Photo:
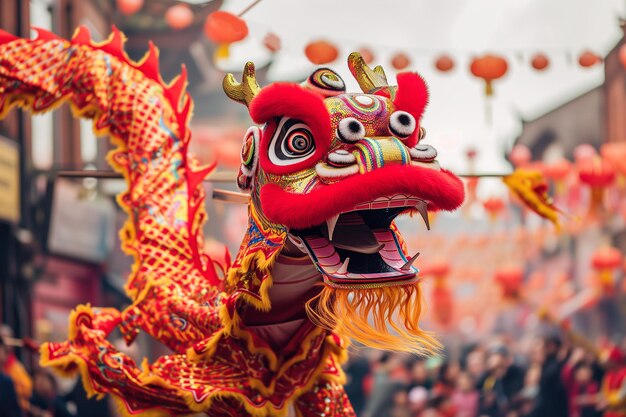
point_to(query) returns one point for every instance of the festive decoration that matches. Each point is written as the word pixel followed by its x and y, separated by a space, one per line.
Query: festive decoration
pixel 228 353
pixel 367 54
pixel 540 62
pixel 494 206
pixel 584 152
pixel 510 280
pixel 604 261
pixel 615 154
pixel 179 16
pixel 225 28
pixel 489 68
pixel 443 300
pixel 588 59
pixel 520 156
pixel 444 63
pixel 558 171
pixel 321 52
pixel 272 42
pixel 598 175
pixel 129 7
pixel 400 61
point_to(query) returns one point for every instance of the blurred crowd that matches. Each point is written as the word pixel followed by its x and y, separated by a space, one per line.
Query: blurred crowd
pixel 546 377
pixel 551 376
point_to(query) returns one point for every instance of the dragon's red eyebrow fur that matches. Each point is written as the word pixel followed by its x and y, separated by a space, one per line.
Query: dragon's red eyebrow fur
pixel 411 97
pixel 441 189
pixel 294 101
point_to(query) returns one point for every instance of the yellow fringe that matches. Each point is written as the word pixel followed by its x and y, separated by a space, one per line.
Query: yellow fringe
pixel 382 318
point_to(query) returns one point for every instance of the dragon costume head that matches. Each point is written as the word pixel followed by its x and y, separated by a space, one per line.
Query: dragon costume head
pixel 328 172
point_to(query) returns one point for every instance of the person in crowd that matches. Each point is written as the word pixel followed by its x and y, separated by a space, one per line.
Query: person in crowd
pixel 465 396
pixel 386 381
pixel 582 391
pixel 9 405
pixel 419 376
pixel 16 371
pixel 400 407
pixel 552 398
pixel 45 401
pixel 613 401
pixel 500 384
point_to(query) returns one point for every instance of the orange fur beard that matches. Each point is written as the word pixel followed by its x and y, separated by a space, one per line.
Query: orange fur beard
pixel 383 318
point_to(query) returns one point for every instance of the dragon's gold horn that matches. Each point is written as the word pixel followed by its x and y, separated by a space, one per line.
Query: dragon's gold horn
pixel 368 79
pixel 245 91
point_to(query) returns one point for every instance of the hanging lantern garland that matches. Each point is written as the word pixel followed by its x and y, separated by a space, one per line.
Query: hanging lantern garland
pixel 540 62
pixel 588 59
pixel 272 42
pixel 520 156
pixel 225 28
pixel 367 55
pixel 604 261
pixel 598 174
pixel 129 7
pixel 400 61
pixel 321 52
pixel 179 16
pixel 490 68
pixel 444 63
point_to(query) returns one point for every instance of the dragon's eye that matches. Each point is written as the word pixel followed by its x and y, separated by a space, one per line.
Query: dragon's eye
pixel 292 143
pixel 350 130
pixel 402 124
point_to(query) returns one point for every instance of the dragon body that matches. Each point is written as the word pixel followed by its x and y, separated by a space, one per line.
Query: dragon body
pixel 321 263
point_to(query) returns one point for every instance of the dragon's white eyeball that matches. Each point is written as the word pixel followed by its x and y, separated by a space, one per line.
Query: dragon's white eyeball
pixel 350 130
pixel 402 124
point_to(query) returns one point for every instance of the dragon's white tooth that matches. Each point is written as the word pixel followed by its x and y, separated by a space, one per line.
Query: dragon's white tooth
pixel 343 269
pixel 407 265
pixel 331 223
pixel 421 207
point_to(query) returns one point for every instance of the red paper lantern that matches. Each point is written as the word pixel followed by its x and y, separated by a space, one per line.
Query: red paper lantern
pixel 557 170
pixel 367 55
pixel 272 42
pixel 597 174
pixel 520 156
pixel 444 63
pixel 400 61
pixel 584 152
pixel 588 59
pixel 615 153
pixel 128 7
pixel 510 279
pixel 540 62
pixel 489 68
pixel 223 27
pixel 494 206
pixel 622 55
pixel 321 52
pixel 604 261
pixel 179 16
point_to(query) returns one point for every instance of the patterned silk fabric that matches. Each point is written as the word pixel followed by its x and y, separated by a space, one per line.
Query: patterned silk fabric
pixel 217 366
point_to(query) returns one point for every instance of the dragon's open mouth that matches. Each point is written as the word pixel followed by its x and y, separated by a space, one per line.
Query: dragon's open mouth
pixel 359 247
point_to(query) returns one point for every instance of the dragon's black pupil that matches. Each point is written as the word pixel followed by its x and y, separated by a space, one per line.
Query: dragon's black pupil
pixel 300 143
pixel 354 126
pixel 404 119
